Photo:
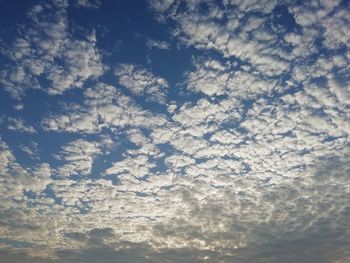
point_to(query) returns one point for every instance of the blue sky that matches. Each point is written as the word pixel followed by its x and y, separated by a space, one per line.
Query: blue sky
pixel 174 131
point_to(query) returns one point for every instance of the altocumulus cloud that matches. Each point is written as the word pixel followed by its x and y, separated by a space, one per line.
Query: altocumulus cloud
pixel 217 132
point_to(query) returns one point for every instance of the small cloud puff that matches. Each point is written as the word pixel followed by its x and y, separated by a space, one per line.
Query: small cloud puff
pixel 157 44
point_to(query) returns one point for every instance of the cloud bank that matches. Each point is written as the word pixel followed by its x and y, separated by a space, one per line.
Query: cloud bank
pixel 244 158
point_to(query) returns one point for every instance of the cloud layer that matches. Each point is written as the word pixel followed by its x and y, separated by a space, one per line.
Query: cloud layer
pixel 244 159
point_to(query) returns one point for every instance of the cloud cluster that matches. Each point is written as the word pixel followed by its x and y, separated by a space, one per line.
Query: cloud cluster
pixel 19 125
pixel 250 165
pixel 104 107
pixel 45 55
pixel 157 44
pixel 142 82
pixel 78 157
pixel 94 4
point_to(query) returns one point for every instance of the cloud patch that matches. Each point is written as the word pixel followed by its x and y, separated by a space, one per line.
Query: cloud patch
pixel 45 51
pixel 141 82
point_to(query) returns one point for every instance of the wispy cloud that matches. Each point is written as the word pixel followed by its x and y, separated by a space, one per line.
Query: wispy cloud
pixel 157 44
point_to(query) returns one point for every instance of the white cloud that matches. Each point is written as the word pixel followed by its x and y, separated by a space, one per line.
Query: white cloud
pixel 94 4
pixel 45 49
pixel 260 158
pixel 18 107
pixel 333 20
pixel 19 125
pixel 78 157
pixel 81 62
pixel 15 179
pixel 141 82
pixel 104 107
pixel 136 166
pixel 223 30
pixel 210 78
pixel 337 27
pixel 157 44
pixel 178 161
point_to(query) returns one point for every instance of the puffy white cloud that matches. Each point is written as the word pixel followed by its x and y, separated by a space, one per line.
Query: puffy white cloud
pixel 327 14
pixel 137 166
pixel 45 49
pixel 78 156
pixel 141 82
pixel 15 179
pixel 254 170
pixel 210 78
pixel 223 29
pixel 6 158
pixel 19 125
pixel 81 61
pixel 178 161
pixel 104 107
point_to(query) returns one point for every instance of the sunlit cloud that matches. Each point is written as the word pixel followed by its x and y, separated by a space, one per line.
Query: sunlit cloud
pixel 219 131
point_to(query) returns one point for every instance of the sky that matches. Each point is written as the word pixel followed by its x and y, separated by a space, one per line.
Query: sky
pixel 174 131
